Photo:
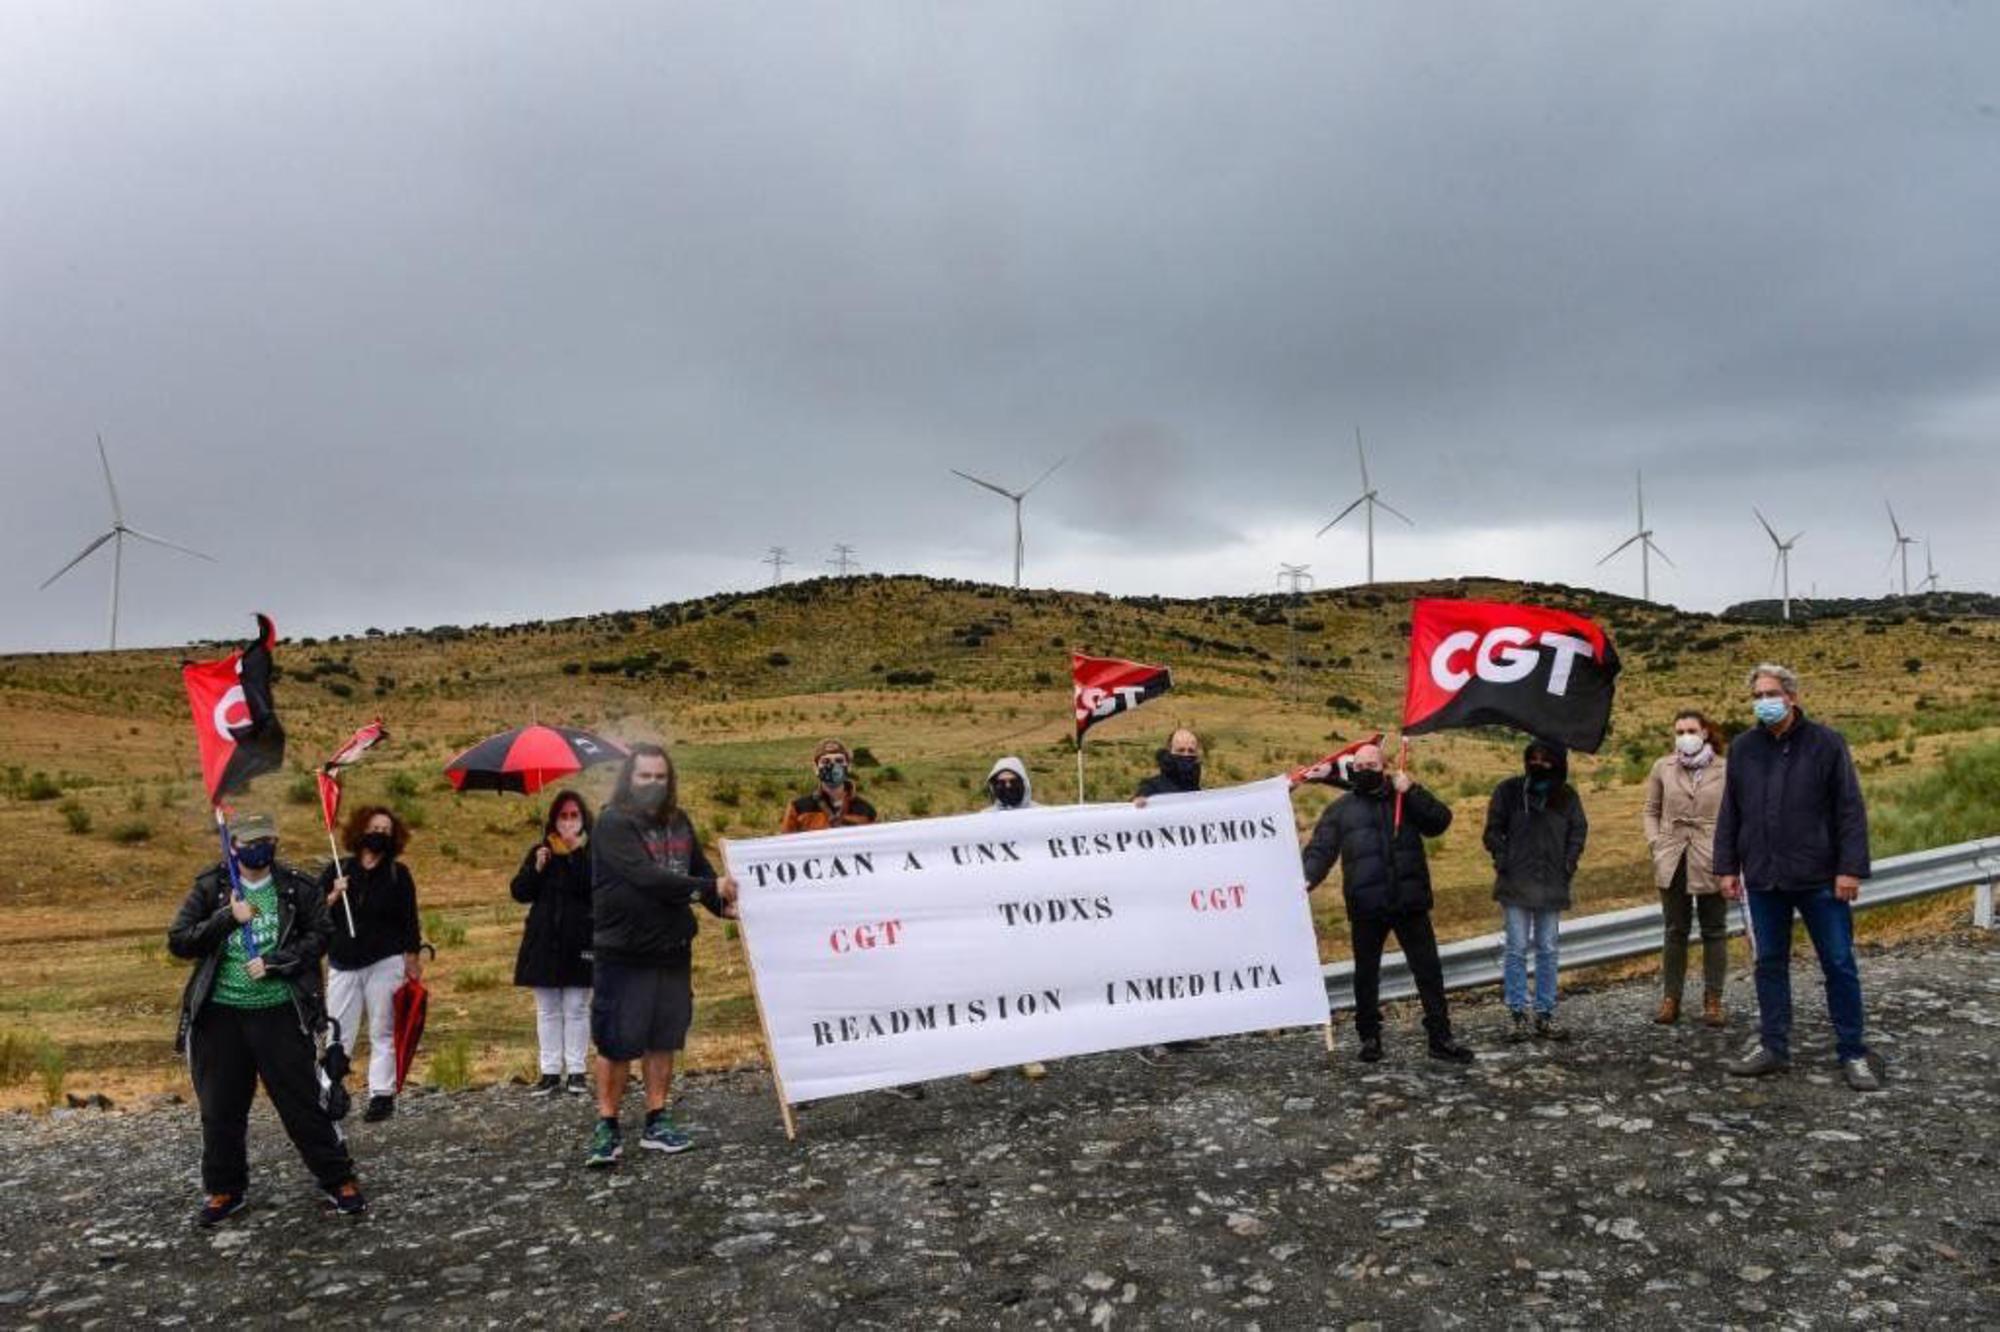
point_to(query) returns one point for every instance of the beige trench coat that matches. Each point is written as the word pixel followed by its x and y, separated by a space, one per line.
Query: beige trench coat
pixel 1681 805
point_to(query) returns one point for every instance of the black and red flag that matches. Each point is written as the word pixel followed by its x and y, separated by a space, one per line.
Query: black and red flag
pixel 1107 686
pixel 235 722
pixel 347 755
pixel 1550 673
pixel 1333 769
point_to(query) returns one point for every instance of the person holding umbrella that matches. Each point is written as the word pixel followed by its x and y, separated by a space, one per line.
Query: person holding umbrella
pixel 647 871
pixel 366 964
pixel 554 961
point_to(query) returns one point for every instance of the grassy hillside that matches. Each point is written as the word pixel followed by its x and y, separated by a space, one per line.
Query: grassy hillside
pixel 102 822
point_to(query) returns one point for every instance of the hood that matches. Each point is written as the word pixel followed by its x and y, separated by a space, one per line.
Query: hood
pixel 1558 753
pixel 1019 769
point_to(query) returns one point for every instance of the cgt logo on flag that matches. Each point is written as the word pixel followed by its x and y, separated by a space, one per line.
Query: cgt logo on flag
pixel 235 722
pixel 1334 769
pixel 1477 663
pixel 1107 686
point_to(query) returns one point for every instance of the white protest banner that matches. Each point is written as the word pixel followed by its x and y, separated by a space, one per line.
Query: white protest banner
pixel 899 952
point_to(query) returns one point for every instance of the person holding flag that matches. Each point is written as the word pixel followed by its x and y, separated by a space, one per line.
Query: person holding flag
pixel 367 960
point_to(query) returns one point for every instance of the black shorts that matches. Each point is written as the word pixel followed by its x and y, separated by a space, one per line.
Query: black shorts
pixel 636 1011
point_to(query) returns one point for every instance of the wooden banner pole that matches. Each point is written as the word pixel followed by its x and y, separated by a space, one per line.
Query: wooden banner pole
pixel 763 1024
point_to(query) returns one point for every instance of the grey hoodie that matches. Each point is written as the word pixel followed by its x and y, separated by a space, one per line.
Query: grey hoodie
pixel 1019 769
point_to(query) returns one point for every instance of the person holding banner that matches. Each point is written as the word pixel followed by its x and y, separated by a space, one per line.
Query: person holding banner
pixel 1385 881
pixel 366 964
pixel 647 871
pixel 1535 831
pixel 1010 787
pixel 248 1012
pixel 1683 793
pixel 834 802
pixel 554 960
pixel 1180 768
pixel 1792 836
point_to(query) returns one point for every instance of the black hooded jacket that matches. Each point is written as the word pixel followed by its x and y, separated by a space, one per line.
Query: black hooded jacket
pixel 1171 779
pixel 1536 839
pixel 1383 869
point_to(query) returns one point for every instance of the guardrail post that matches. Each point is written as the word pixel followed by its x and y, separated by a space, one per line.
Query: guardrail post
pixel 1982 904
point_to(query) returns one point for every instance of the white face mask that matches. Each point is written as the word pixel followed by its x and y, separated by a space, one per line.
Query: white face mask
pixel 1690 744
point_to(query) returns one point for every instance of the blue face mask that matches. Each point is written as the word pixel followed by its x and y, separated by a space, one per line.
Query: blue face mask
pixel 257 855
pixel 1770 711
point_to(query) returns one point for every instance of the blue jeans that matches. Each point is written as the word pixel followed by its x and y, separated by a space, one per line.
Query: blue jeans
pixel 1521 923
pixel 1830 923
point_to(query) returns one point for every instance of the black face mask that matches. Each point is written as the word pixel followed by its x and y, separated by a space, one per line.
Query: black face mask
pixel 833 773
pixel 1366 781
pixel 379 844
pixel 257 855
pixel 652 799
pixel 1008 792
pixel 1184 769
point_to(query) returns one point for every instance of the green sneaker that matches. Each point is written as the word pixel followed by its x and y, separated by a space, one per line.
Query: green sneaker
pixel 605 1146
pixel 662 1136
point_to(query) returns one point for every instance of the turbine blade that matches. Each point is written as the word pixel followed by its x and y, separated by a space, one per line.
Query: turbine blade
pixel 987 484
pixel 1654 547
pixel 1384 504
pixel 1772 585
pixel 1893 524
pixel 1636 536
pixel 80 558
pixel 1769 531
pixel 1795 538
pixel 1338 516
pixel 1046 475
pixel 1362 454
pixel 170 545
pixel 117 509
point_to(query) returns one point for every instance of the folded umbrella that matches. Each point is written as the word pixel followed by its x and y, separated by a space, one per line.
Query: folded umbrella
pixel 409 1006
pixel 529 758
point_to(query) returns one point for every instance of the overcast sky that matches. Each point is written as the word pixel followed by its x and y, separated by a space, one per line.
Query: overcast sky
pixel 463 312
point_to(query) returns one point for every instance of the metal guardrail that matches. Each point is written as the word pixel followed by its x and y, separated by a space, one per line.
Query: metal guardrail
pixel 1612 936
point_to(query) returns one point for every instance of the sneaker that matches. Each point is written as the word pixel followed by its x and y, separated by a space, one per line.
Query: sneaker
pixel 219 1207
pixel 1371 1050
pixel 549 1084
pixel 912 1092
pixel 1155 1055
pixel 981 1075
pixel 1860 1074
pixel 347 1199
pixel 1517 1034
pixel 1547 1029
pixel 1450 1051
pixel 1194 1046
pixel 576 1084
pixel 605 1146
pixel 662 1136
pixel 1757 1063
pixel 379 1109
pixel 1034 1071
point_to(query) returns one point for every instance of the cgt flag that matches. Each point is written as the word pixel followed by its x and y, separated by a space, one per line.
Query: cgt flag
pixel 1107 686
pixel 1481 663
pixel 235 722
pixel 1333 769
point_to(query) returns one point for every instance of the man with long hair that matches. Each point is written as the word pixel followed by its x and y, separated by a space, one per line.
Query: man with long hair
pixel 648 870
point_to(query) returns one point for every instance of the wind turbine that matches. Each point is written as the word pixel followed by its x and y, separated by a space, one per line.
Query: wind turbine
pixel 1930 582
pixel 1782 561
pixel 116 536
pixel 1369 501
pixel 1901 548
pixel 1644 536
pixel 1016 497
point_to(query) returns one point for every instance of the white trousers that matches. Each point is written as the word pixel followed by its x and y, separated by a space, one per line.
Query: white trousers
pixel 346 993
pixel 562 1027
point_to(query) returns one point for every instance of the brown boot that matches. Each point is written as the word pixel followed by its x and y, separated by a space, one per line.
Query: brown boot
pixel 1669 1012
pixel 1711 1011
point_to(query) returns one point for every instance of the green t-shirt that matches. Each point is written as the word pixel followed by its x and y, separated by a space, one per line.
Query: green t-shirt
pixel 234 987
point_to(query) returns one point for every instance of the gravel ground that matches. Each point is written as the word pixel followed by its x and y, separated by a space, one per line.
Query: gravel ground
pixel 1620 1179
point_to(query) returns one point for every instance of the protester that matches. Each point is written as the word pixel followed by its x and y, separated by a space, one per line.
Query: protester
pixel 1385 881
pixel 1683 794
pixel 834 802
pixel 1792 832
pixel 1535 830
pixel 648 869
pixel 1009 787
pixel 246 1019
pixel 554 961
pixel 367 961
pixel 1179 768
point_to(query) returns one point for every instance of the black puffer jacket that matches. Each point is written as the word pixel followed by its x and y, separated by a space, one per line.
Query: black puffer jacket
pixel 1383 869
pixel 645 877
pixel 1536 839
pixel 201 929
pixel 555 940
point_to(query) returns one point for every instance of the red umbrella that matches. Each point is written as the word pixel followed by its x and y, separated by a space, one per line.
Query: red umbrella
pixel 528 759
pixel 409 1006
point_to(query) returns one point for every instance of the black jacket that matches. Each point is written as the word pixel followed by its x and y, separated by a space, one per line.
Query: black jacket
pixel 1535 845
pixel 1167 781
pixel 384 901
pixel 1792 815
pixel 645 877
pixel 201 929
pixel 555 941
pixel 1383 869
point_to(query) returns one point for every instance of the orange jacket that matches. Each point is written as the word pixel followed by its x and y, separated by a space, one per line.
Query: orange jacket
pixel 809 813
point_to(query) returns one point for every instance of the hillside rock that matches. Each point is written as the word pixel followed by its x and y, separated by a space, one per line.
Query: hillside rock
pixel 1621 1180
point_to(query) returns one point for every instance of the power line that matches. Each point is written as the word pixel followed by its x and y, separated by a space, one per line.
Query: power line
pixel 777 559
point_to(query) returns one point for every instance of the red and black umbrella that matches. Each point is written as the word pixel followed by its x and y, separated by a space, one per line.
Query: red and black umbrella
pixel 529 758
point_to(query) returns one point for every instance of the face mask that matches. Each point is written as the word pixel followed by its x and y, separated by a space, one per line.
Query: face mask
pixel 570 833
pixel 1690 744
pixel 1770 711
pixel 378 843
pixel 1186 769
pixel 257 855
pixel 652 798
pixel 1008 793
pixel 1367 781
pixel 833 773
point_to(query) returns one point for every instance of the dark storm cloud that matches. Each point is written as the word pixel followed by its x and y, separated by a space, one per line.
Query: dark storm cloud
pixel 487 312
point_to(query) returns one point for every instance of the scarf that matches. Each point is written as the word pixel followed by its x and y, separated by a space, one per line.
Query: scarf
pixel 1698 760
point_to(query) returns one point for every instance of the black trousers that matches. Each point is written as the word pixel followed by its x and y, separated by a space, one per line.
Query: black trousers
pixel 229 1050
pixel 1420 946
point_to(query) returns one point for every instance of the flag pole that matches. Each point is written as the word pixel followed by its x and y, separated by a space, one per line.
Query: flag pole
pixel 1079 770
pixel 345 905
pixel 235 878
pixel 1402 766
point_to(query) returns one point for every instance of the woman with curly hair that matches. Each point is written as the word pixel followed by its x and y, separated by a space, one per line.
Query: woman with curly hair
pixel 367 960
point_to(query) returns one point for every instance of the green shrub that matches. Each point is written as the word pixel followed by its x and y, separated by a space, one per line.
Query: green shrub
pixel 1955 801
pixel 451 1066
pixel 132 832
pixel 920 805
pixel 20 1055
pixel 75 815
pixel 52 1067
pixel 473 980
pixel 403 786
pixel 40 786
pixel 302 790
pixel 442 931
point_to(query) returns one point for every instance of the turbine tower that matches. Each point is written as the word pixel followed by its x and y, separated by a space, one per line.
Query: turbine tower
pixel 1902 547
pixel 1016 497
pixel 1644 536
pixel 116 536
pixel 1369 501
pixel 1781 563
